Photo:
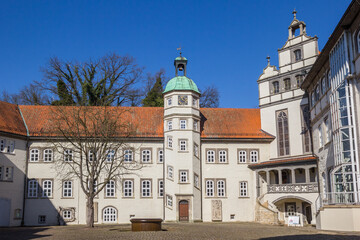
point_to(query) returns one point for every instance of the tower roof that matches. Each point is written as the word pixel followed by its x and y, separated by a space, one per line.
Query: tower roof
pixel 181 83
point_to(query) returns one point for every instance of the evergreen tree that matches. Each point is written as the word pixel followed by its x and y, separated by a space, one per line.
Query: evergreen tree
pixel 154 97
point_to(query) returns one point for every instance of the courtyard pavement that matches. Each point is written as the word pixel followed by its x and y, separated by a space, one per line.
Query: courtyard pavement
pixel 176 231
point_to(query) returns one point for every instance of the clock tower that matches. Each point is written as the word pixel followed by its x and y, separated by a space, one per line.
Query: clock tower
pixel 182 173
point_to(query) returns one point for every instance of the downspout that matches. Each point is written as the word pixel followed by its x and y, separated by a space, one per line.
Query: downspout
pixel 26 168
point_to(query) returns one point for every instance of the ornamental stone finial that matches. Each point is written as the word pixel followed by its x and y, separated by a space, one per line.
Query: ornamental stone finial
pixel 294 13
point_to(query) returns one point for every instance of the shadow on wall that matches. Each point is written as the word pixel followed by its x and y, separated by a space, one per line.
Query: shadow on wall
pixel 39 208
pixel 314 236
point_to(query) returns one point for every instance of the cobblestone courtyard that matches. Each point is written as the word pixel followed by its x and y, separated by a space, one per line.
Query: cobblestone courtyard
pixel 176 231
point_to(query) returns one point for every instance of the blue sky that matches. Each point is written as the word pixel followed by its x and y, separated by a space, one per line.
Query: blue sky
pixel 226 42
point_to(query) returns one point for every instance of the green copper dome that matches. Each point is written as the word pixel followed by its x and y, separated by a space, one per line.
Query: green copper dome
pixel 181 58
pixel 181 83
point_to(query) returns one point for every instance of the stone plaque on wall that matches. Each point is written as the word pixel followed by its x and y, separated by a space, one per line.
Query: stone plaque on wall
pixel 216 210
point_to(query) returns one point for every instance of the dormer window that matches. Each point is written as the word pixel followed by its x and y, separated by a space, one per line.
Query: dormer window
pixel 297 54
pixel 275 87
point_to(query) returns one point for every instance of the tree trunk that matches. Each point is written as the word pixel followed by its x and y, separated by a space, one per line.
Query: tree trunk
pixel 90 212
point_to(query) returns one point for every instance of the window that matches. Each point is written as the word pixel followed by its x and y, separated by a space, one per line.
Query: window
pixel 182 124
pixel 34 155
pixel 128 155
pixel 169 101
pixel 210 156
pixel 1 173
pixel 196 125
pixel 67 189
pixel 275 87
pixel 221 188
pixel 222 156
pixel 194 101
pixel 299 80
pixel 8 175
pixel 109 214
pixel 48 155
pixel 110 155
pixel 183 174
pixel 42 219
pixel 146 188
pixel 283 133
pixel 297 54
pixel 160 156
pixel 2 145
pixel 10 146
pixel 328 130
pixel 243 189
pixel 306 128
pixel 170 172
pixel 170 142
pixel 160 188
pixel 323 85
pixel 145 156
pixel 182 145
pixel 128 186
pixel 196 150
pixel 290 209
pixel 32 188
pixel 91 156
pixel 196 181
pixel 94 185
pixel 321 142
pixel 169 123
pixel 68 155
pixel 209 188
pixel 47 188
pixel 317 93
pixel 169 201
pixel 329 79
pixel 254 156
pixel 242 156
pixel 110 189
pixel 312 99
pixel 287 84
pixel 358 41
pixel 67 214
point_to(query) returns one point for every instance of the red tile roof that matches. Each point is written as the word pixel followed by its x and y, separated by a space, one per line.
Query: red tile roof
pixel 283 161
pixel 146 121
pixel 11 120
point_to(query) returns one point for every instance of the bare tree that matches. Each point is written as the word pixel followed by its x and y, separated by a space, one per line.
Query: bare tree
pixel 209 97
pixel 101 82
pixel 29 95
pixel 91 148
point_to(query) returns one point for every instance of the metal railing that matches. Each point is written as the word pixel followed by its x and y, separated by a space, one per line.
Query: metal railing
pixel 341 198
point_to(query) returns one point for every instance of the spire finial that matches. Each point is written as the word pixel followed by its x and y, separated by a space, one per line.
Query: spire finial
pixel 268 60
pixel 179 49
pixel 294 12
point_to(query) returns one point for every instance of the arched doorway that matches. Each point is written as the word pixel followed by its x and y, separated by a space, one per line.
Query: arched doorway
pixel 184 211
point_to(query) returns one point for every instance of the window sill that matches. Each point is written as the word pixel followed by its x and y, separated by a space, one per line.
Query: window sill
pixel 247 197
pixel 184 183
pixel 183 151
pixel 128 197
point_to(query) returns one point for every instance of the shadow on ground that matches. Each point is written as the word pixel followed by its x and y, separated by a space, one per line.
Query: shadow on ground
pixel 314 237
pixel 22 233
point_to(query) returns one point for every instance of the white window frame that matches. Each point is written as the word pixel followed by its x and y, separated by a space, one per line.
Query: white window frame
pixel 8 173
pixel 170 142
pixel 48 155
pixel 146 156
pixel 210 156
pixel 196 150
pixel 183 176
pixel 242 156
pixel 327 129
pixel 2 145
pixel 68 155
pixel 109 215
pixel 128 155
pixel 110 189
pixel 169 125
pixel 221 188
pixel 34 155
pixel 160 188
pixel 160 156
pixel 170 172
pixel 146 188
pixel 169 101
pixel 10 146
pixel 110 156
pixel 196 180
pixel 67 214
pixel 91 155
pixel 47 188
pixel 209 188
pixel 196 125
pixel 169 201
pixel 33 188
pixel 182 144
pixel 320 135
pixel 243 188
pixel 67 189
pixel 222 156
pixel 182 124
pixel 254 156
pixel 128 188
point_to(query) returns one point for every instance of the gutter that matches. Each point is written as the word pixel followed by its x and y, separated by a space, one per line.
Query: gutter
pixel 26 168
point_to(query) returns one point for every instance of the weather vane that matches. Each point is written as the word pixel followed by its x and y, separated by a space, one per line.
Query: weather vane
pixel 179 49
pixel 294 12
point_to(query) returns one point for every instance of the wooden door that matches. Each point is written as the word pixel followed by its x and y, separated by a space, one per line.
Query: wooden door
pixel 184 210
